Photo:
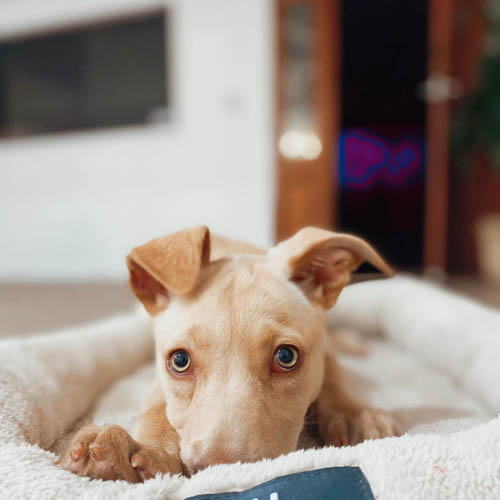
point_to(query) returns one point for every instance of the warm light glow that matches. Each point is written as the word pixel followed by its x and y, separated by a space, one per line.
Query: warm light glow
pixel 300 145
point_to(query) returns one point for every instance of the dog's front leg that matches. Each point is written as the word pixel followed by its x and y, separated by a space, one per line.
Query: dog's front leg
pixel 110 452
pixel 161 453
pixel 342 420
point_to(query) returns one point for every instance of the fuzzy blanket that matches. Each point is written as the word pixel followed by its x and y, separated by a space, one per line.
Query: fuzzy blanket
pixel 432 358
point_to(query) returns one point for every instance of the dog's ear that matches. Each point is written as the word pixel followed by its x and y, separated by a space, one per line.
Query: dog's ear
pixel 320 262
pixel 168 266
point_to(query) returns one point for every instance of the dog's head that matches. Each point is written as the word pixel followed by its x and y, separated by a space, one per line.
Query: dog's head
pixel 239 340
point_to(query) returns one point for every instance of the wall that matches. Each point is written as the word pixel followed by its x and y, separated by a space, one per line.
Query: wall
pixel 72 205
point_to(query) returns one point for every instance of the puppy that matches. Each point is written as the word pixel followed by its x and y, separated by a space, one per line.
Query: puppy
pixel 241 355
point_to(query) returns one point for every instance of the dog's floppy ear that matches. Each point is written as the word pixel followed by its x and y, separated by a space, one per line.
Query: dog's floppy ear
pixel 320 262
pixel 168 265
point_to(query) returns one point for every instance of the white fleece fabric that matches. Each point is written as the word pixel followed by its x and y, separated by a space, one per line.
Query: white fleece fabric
pixel 433 359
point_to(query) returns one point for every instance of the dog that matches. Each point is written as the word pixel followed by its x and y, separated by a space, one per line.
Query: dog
pixel 241 356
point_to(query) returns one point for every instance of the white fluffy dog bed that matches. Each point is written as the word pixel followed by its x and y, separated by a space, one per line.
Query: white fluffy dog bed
pixel 433 359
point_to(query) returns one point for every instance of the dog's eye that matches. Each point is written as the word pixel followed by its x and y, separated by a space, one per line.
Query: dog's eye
pixel 180 361
pixel 286 357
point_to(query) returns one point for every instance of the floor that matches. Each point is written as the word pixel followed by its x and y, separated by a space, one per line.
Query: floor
pixel 485 292
pixel 29 308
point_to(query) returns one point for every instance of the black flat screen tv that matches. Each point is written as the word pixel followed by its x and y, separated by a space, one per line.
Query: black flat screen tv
pixel 107 74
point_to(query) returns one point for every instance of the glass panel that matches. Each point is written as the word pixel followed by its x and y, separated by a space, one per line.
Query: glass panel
pixel 299 138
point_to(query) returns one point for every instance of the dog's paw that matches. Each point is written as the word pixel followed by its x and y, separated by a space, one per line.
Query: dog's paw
pixel 353 427
pixel 110 452
pixel 152 460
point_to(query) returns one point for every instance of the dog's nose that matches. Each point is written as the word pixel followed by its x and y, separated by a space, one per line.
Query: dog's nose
pixel 207 461
pixel 200 457
pixel 197 467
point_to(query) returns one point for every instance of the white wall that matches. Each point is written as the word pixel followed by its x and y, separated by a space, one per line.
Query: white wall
pixel 72 205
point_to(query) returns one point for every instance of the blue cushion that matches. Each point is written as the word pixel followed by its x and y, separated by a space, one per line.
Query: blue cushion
pixel 339 483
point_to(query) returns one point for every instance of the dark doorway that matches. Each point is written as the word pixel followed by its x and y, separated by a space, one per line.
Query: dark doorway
pixel 382 142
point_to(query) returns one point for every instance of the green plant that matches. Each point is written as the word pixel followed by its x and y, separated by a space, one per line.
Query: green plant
pixel 476 125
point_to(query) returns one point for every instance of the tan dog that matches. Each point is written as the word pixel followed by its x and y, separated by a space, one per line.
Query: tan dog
pixel 240 353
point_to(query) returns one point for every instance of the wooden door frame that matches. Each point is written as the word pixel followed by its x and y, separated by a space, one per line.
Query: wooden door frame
pixel 440 26
pixel 307 188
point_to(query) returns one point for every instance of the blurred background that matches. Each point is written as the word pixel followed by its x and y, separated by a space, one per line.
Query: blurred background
pixel 124 120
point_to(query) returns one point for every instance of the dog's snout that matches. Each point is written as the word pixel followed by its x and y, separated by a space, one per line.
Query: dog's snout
pixel 199 457
pixel 206 462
